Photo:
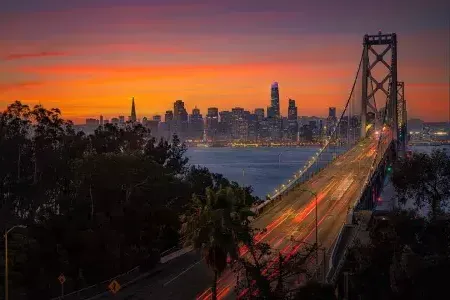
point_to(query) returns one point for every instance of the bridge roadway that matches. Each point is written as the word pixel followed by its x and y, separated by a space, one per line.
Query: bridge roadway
pixel 337 187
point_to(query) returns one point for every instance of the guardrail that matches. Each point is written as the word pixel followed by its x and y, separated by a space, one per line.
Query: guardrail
pixel 299 179
pixel 336 266
pixel 100 289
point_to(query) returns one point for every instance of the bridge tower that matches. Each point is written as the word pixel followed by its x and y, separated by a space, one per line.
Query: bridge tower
pixel 372 44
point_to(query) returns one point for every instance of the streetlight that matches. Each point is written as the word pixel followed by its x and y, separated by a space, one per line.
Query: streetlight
pixel 317 231
pixel 6 257
pixel 318 248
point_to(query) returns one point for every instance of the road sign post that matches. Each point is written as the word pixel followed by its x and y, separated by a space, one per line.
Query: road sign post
pixel 62 279
pixel 114 286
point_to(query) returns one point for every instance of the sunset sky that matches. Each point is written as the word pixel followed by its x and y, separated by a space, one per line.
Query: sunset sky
pixel 89 57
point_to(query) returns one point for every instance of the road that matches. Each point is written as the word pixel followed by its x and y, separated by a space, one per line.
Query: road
pixel 337 188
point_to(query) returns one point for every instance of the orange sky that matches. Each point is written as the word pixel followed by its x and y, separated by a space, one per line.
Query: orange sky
pixel 91 60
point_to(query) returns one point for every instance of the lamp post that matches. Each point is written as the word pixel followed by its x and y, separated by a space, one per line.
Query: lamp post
pixel 317 231
pixel 324 257
pixel 6 257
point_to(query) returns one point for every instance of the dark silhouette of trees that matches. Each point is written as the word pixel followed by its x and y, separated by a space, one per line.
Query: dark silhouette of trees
pixel 95 206
pixel 208 229
pixel 425 179
pixel 408 254
pixel 407 258
pixel 265 273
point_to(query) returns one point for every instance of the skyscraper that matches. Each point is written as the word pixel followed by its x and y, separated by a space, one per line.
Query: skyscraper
pixel 331 120
pixel 101 120
pixel 168 117
pixel 332 112
pixel 239 127
pixel 196 124
pixel 133 111
pixel 292 120
pixel 292 110
pixel 166 126
pixel 259 112
pixel 273 113
pixel 275 99
pixel 212 122
pixel 252 121
pixel 180 117
pixel 225 125
pixel 179 111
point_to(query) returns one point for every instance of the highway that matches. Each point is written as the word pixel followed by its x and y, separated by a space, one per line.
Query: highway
pixel 337 187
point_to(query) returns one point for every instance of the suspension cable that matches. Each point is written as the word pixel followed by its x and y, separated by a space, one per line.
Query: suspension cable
pixel 381 133
pixel 350 95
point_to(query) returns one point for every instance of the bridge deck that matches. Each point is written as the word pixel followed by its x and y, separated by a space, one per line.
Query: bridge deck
pixel 337 187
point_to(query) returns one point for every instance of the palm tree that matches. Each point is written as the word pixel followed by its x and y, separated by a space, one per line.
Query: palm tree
pixel 210 229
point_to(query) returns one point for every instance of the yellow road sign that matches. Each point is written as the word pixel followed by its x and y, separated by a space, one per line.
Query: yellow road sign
pixel 114 286
pixel 62 278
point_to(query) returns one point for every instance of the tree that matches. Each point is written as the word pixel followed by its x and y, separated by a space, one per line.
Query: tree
pixel 208 231
pixel 198 178
pixel 15 149
pixel 425 179
pixel 176 160
pixel 96 206
pixel 406 258
pixel 270 274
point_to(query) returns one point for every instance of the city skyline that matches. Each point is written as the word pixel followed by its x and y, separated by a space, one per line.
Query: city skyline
pixel 264 111
pixel 258 126
pixel 159 51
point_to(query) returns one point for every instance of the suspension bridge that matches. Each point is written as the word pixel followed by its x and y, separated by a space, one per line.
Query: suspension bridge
pixel 314 205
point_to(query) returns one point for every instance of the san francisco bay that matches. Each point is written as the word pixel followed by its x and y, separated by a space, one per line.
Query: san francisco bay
pixel 263 168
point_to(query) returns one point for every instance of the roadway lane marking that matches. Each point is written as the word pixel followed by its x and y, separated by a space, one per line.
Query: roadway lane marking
pixel 176 277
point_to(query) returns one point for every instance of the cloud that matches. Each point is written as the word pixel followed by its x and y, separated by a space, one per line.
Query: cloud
pixel 215 70
pixel 33 55
pixel 19 85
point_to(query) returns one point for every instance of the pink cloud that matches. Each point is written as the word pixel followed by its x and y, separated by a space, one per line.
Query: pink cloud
pixel 33 55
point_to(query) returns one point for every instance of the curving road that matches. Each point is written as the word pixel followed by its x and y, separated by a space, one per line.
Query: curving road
pixel 337 187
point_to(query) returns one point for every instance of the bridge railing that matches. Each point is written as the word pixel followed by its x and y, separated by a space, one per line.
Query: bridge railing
pixel 100 289
pixel 334 137
pixel 315 164
pixel 299 177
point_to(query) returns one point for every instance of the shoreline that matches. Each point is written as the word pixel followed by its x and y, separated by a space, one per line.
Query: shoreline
pixel 201 145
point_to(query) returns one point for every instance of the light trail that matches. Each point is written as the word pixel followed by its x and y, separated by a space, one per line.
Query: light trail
pixel 289 250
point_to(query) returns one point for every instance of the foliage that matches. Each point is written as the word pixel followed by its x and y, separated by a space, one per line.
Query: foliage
pixel 425 179
pixel 267 274
pixel 407 258
pixel 218 225
pixel 95 206
pixel 215 222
